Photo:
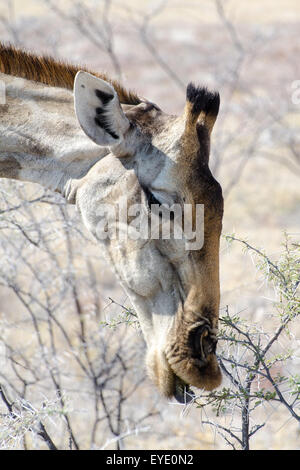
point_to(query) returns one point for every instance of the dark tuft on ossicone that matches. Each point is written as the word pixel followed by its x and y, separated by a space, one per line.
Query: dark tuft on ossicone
pixel 203 99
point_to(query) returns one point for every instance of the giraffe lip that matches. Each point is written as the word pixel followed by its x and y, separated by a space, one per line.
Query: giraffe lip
pixel 183 394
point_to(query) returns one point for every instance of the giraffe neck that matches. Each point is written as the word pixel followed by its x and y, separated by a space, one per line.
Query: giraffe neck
pixel 40 138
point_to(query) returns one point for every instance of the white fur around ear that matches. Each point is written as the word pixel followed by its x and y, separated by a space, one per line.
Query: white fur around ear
pixel 98 110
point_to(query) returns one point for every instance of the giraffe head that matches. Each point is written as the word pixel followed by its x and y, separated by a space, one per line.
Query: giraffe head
pixel 158 162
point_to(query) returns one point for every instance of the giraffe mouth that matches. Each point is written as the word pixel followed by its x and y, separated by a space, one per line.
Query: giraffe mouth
pixel 188 360
pixel 194 363
pixel 183 394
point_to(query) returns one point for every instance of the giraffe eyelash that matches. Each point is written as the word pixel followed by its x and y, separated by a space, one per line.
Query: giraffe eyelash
pixel 151 199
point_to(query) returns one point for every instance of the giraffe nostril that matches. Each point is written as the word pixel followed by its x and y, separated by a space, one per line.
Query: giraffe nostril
pixel 202 342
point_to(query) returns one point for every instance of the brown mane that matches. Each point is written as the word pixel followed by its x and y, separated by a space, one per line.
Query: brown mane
pixel 45 69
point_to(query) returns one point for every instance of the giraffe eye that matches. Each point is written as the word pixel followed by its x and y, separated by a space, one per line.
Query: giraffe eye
pixel 151 199
pixel 158 197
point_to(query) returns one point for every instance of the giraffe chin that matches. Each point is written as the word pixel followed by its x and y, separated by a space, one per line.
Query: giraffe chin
pixel 174 380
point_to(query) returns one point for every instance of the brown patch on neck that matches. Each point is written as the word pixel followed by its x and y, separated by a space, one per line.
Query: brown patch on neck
pixel 45 69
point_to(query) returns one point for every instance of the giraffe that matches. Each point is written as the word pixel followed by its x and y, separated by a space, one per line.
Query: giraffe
pixel 96 143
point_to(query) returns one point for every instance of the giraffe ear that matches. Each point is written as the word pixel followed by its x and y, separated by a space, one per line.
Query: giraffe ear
pixel 98 110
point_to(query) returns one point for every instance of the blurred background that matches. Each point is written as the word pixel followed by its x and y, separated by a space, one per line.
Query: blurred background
pixel 71 347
